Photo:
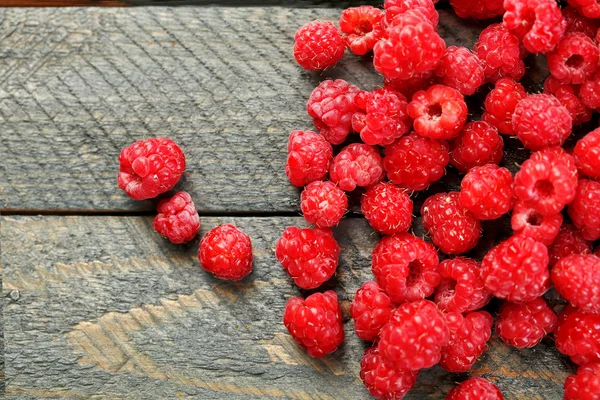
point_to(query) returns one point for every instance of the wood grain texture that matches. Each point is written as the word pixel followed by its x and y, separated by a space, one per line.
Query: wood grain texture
pixel 228 3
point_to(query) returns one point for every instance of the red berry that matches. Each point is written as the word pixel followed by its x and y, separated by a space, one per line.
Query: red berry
pixel 323 204
pixel 525 325
pixel 177 218
pixel 387 208
pixel 568 95
pixel 309 157
pixel 590 92
pixel 587 154
pixel 150 167
pixel 568 241
pixel 585 209
pixel 461 70
pixel 363 28
pixel 382 380
pixel 501 102
pixel 461 288
pixel 500 53
pixel 398 7
pixel 478 9
pixel 468 337
pixel 370 310
pixel 318 45
pixel 578 335
pixel 408 87
pixel 578 23
pixel 357 165
pixel 226 252
pixel 589 8
pixel 575 59
pixel 478 144
pixel 315 323
pixel 487 192
pixel 475 389
pixel 527 221
pixel 584 385
pixel 577 279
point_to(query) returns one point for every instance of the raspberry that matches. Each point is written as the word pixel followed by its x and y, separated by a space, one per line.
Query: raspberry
pixel 370 310
pixel 501 102
pixel 414 162
pixel 357 165
pixel 578 336
pixel 578 23
pixel 574 60
pixel 541 121
pixel 525 325
pixel 461 288
pixel 309 157
pixel 587 154
pixel 150 167
pixel 387 208
pixel 323 204
pixel 177 218
pixel 568 241
pixel 500 53
pixel 547 181
pixel 475 389
pixel 478 9
pixel 527 221
pixel 487 192
pixel 452 228
pixel 363 28
pixel 406 267
pixel 590 92
pixel 382 380
pixel 318 45
pixel 585 209
pixel 408 87
pixel 438 113
pixel 226 252
pixel 309 256
pixel 414 336
pixel 315 323
pixel 516 269
pixel 398 7
pixel 461 70
pixel 589 8
pixel 385 118
pixel 411 48
pixel 568 95
pixel 468 337
pixel 478 144
pixel 584 385
pixel 576 278
pixel 331 106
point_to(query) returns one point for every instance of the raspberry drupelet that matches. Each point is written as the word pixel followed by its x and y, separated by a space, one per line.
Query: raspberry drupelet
pixel 501 102
pixel 461 288
pixel 475 388
pixel 394 8
pixel 568 241
pixel 370 310
pixel 578 335
pixel 150 167
pixel 577 279
pixel 468 337
pixel 382 380
pixel 177 218
pixel 318 45
pixel 568 95
pixel 590 92
pixel 589 8
pixel 226 252
pixel 461 70
pixel 309 157
pixel 478 9
pixel 525 325
pixel 323 204
pixel 500 53
pixel 585 384
pixel 527 221
pixel 587 154
pixel 357 164
pixel 363 28
pixel 387 208
pixel 575 59
pixel 315 323
pixel 477 144
pixel 487 191
pixel 585 209
pixel 578 23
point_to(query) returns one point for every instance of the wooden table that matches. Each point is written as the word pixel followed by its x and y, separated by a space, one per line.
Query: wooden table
pixel 96 304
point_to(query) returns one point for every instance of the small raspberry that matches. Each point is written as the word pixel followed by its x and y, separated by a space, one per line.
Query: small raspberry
pixel 461 70
pixel 525 325
pixel 461 288
pixel 309 157
pixel 575 59
pixel 309 256
pixel 315 323
pixel 527 221
pixel 578 23
pixel 363 28
pixel 475 389
pixel 323 204
pixel 150 167
pixel 370 310
pixel 382 380
pixel 477 144
pixel 568 95
pixel 408 87
pixel 589 8
pixel 487 192
pixel 501 102
pixel 318 45
pixel 577 279
pixel 516 269
pixel 398 7
pixel 468 337
pixel 590 92
pixel 587 154
pixel 451 226
pixel 357 165
pixel 406 267
pixel 500 53
pixel 387 208
pixel 177 218
pixel 568 241
pixel 226 252
pixel 584 385
pixel 414 336
pixel 414 162
pixel 578 335
pixel 478 9
pixel 585 209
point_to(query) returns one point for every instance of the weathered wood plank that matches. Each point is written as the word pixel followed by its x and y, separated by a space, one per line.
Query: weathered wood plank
pixel 228 3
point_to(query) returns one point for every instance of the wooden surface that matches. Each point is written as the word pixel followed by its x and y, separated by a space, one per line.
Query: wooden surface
pixel 227 3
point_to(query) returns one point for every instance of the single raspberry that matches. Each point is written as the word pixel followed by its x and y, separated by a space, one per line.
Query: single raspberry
pixel 590 92
pixel 475 389
pixel 589 8
pixel 399 7
pixel 226 252
pixel 478 9
pixel 587 154
pixel 406 267
pixel 585 209
pixel 500 53
pixel 577 279
pixel 150 167
pixel 387 208
pixel 309 256
pixel 468 337
pixel 408 87
pixel 547 181
pixel 357 165
pixel 461 70
pixel 487 192
pixel 527 221
pixel 363 28
pixel 315 323
pixel 477 144
pixel 568 95
pixel 461 288
pixel 584 385
pixel 323 204
pixel 578 335
pixel 438 113
pixel 525 325
pixel 568 241
pixel 578 23
pixel 382 380
pixel 516 269
pixel 414 336
pixel 370 310
pixel 309 157
pixel 575 59
pixel 501 102
pixel 414 162
pixel 331 106
pixel 318 45
pixel 385 118
pixel 451 226
pixel 177 218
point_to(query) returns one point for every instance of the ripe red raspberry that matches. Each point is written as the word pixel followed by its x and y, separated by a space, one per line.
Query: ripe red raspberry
pixel 461 288
pixel 408 87
pixel 487 192
pixel 318 45
pixel 385 118
pixel 568 241
pixel 398 7
pixel 527 221
pixel 590 92
pixel 370 310
pixel 451 226
pixel 587 154
pixel 357 165
pixel 478 144
pixel 150 167
pixel 500 53
pixel 438 113
pixel 584 385
pixel 382 380
pixel 414 336
pixel 226 252
pixel 578 335
pixel 578 23
pixel 309 256
pixel 478 9
pixel 323 204
pixel 575 59
pixel 309 157
pixel 177 218
pixel 525 325
pixel 406 267
pixel 585 209
pixel 577 279
pixel 387 208
pixel 331 106
pixel 414 162
pixel 315 323
pixel 475 389
pixel 568 95
pixel 468 337
pixel 589 8
pixel 363 28
pixel 461 70
pixel 501 102
pixel 517 269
